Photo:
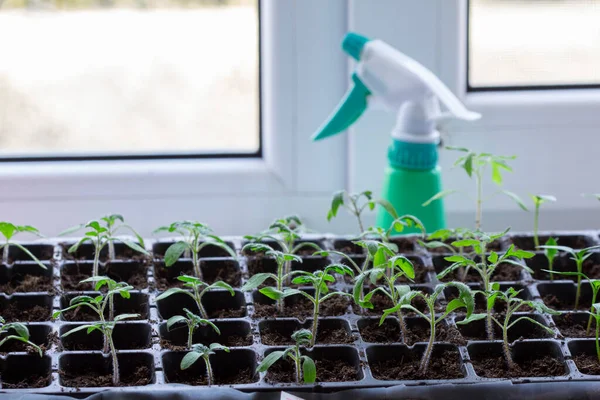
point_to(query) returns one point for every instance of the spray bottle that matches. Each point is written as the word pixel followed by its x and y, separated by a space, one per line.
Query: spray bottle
pixel 402 85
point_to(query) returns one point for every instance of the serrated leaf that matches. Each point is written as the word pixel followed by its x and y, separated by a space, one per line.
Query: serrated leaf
pixel 336 202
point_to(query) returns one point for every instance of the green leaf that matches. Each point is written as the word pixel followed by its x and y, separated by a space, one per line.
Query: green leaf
pixel 309 370
pixel 135 246
pixel 558 248
pixel 388 207
pixel 493 257
pixel 496 174
pixel 217 346
pixel 222 285
pixel 472 318
pixel 171 292
pixel 189 359
pixel 257 280
pixel 454 305
pixel 122 317
pixel 468 164
pixel 26 251
pixel 175 320
pixel 77 329
pixel 72 229
pixel 74 248
pixel 516 199
pixel 174 252
pixel 303 280
pixel 302 337
pixel 533 321
pixel 465 243
pixel 336 202
pixel 19 328
pixel 550 251
pixel 439 196
pixel 7 230
pixel 269 360
pixel 271 293
pixel 405 265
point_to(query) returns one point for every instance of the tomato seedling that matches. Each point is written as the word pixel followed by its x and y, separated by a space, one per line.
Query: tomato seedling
pixel 304 365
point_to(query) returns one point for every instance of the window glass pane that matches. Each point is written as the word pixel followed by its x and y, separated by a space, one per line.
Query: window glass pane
pixel 128 77
pixel 534 42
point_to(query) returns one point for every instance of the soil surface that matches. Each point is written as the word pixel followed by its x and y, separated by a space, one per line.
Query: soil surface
pixel 191 377
pixel 32 381
pixel 86 314
pixel 443 333
pixel 93 378
pixel 587 364
pixel 388 332
pixel 495 367
pixel 443 366
pixel 164 280
pixel 227 313
pixel 504 273
pixel 271 337
pixel 556 303
pixel 121 253
pixel 303 308
pixel 14 313
pixel 572 327
pixel 136 277
pixel 226 271
pixel 283 371
pixel 381 303
pixel 260 264
pixel 28 283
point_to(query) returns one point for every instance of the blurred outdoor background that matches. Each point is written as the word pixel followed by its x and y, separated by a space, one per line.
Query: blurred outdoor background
pixel 156 76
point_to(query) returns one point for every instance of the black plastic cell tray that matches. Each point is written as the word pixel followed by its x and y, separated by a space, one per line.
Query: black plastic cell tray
pixel 79 350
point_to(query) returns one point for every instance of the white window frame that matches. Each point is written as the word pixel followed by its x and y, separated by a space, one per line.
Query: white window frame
pixel 546 129
pixel 303 76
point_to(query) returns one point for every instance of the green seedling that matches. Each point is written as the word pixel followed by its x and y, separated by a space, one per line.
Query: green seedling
pixel 9 230
pixel 579 256
pixel 113 287
pixel 398 225
pixel 199 289
pixel 365 244
pixel 103 233
pixel 21 333
pixel 538 200
pixel 195 236
pixel 280 278
pixel 550 252
pixel 513 304
pixel 487 264
pixel 192 322
pixel 465 300
pixel 98 304
pixel 305 366
pixel 475 165
pixel 201 351
pixel 284 232
pixel 595 314
pixel 390 271
pixel 318 280
pixel 440 239
pixel 355 204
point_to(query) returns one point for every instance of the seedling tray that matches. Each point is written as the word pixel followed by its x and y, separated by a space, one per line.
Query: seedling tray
pixel 358 345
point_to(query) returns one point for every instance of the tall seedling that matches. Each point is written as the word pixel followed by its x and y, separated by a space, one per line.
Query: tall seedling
pixel 356 204
pixel 538 200
pixel 193 322
pixel 475 165
pixel 304 365
pixel 9 231
pixel 103 233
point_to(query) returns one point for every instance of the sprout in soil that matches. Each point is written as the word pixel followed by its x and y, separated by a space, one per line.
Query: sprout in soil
pixel 318 280
pixel 98 304
pixel 464 300
pixel 9 230
pixel 355 204
pixel 103 232
pixel 201 351
pixel 398 225
pixel 195 236
pixel 284 232
pixel 550 252
pixel 486 265
pixel 579 256
pixel 199 289
pixel 113 287
pixel 475 165
pixel 595 314
pixel 193 322
pixel 280 278
pixel 538 200
pixel 21 333
pixel 440 238
pixel 513 304
pixel 594 284
pixel 391 271
pixel 304 365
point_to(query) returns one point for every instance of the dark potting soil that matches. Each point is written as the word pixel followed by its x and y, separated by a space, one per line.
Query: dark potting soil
pixel 283 371
pixel 85 314
pixel 559 304
pixel 496 245
pixel 334 336
pixel 587 364
pixel 443 333
pixel 570 327
pixel 504 273
pixel 226 271
pixel 15 313
pixel 162 280
pixel 228 313
pixel 496 367
pixel 260 264
pixel 388 332
pixel 28 283
pixel 92 378
pixel 443 366
pixel 71 282
pixel 138 278
pixel 303 308
pixel 229 341
pixel 32 381
pixel 122 253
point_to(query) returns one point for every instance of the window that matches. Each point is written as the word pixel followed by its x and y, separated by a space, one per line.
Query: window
pixel 124 78
pixel 541 43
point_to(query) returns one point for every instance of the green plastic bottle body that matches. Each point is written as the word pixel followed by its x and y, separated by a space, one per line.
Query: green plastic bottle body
pixel 407 190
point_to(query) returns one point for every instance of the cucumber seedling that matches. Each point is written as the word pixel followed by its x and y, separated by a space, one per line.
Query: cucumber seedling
pixel 199 289
pixel 195 236
pixel 305 367
pixel 192 322
pixel 486 264
pixel 538 200
pixel 103 233
pixel 200 351
pixel 391 271
pixel 513 304
pixel 98 305
pixel 318 280
pixel 475 165
pixel 21 334
pixel 9 230
pixel 465 300
pixel 579 256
